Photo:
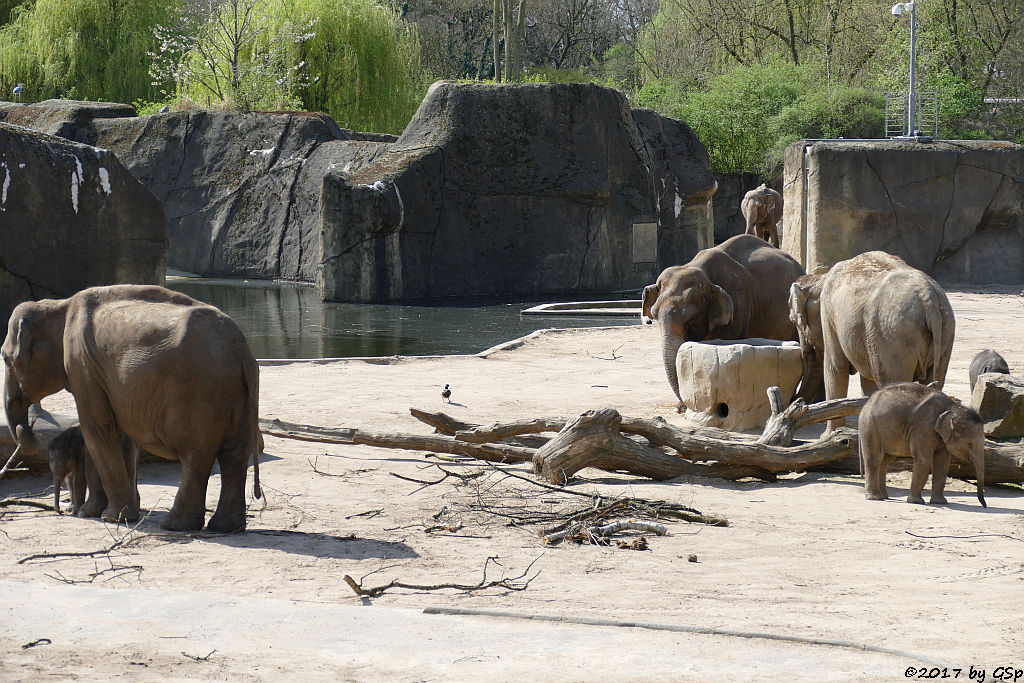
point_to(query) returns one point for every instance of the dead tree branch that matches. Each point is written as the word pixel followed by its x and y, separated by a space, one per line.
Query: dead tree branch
pixel 515 583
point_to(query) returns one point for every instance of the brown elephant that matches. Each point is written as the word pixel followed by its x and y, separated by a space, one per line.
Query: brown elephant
pixel 875 315
pixel 70 461
pixel 909 419
pixel 174 374
pixel 762 210
pixel 735 290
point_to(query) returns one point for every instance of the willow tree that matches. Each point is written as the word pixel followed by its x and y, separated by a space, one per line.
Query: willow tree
pixel 84 49
pixel 361 66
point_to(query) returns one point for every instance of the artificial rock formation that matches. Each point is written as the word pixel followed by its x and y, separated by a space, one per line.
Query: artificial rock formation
pixel 954 209
pixel 999 399
pixel 725 383
pixel 71 217
pixel 241 189
pixel 517 189
pixel 69 119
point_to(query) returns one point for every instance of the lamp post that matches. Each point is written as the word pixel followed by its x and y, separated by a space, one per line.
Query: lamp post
pixel 898 9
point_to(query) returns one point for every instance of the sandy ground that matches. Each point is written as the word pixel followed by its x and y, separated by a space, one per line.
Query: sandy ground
pixel 805 558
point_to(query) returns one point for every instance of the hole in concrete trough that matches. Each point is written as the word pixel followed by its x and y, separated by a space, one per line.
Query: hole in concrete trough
pixel 723 410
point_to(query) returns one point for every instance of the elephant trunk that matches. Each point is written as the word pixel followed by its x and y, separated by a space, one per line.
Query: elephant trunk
pixel 669 348
pixel 978 460
pixel 16 412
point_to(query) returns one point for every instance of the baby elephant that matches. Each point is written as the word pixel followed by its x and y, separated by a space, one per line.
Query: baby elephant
pixel 926 424
pixel 986 361
pixel 70 461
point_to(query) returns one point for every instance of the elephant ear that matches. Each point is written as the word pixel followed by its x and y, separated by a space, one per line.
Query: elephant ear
pixel 651 293
pixel 944 425
pixel 23 343
pixel 719 308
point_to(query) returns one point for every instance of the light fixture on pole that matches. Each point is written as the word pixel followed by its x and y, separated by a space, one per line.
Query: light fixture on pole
pixel 898 9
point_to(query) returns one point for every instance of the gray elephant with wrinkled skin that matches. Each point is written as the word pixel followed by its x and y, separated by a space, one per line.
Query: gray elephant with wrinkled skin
pixel 762 211
pixel 174 374
pixel 70 461
pixel 988 360
pixel 735 290
pixel 874 315
pixel 910 419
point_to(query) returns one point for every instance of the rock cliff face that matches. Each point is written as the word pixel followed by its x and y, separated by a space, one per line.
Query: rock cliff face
pixel 71 217
pixel 511 189
pixel 241 190
pixel 517 189
pixel 954 209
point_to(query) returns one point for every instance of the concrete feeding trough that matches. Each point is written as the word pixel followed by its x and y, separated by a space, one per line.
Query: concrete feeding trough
pixel 624 307
pixel 724 383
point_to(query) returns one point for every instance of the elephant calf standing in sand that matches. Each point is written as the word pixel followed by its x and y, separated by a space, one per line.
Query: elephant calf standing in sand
pixel 875 315
pixel 988 360
pixel 174 374
pixel 762 210
pixel 909 419
pixel 735 290
pixel 70 461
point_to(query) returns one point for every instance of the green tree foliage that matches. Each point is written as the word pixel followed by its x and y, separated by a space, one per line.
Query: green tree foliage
pixel 747 116
pixel 362 64
pixel 84 49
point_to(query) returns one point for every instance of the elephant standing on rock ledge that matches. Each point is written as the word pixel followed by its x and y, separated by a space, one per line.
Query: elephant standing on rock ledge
pixel 875 315
pixel 174 374
pixel 762 210
pixel 735 290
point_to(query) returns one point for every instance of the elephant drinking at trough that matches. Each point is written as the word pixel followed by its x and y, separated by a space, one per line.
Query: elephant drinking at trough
pixel 735 290
pixel 174 374
pixel 874 315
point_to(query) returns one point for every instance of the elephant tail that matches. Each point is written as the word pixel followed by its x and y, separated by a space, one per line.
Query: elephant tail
pixel 251 378
pixel 940 354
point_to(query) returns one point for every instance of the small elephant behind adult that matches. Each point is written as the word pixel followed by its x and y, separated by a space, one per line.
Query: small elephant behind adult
pixel 70 461
pixel 986 361
pixel 762 210
pixel 910 419
pixel 876 316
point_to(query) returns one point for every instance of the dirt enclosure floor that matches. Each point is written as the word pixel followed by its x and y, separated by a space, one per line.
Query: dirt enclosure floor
pixel 897 590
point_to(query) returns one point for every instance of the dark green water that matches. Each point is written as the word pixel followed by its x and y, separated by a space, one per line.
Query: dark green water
pixel 286 321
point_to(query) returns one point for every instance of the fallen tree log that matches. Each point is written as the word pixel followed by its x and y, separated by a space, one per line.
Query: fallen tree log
pixel 413 442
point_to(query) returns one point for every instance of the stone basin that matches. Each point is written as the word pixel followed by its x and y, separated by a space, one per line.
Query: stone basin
pixel 724 383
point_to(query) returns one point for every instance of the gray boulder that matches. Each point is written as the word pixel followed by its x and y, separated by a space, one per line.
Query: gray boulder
pixel 241 190
pixel 999 399
pixel 71 216
pixel 517 189
pixel 70 119
pixel 954 209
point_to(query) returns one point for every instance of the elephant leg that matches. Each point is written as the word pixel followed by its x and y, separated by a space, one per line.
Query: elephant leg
pixel 940 468
pixel 837 380
pixel 130 451
pixel 77 483
pixel 189 509
pixel 922 467
pixel 874 464
pixel 230 514
pixel 96 503
pixel 103 442
pixel 867 385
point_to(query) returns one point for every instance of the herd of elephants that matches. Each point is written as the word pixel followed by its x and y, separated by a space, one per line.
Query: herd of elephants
pixel 151 368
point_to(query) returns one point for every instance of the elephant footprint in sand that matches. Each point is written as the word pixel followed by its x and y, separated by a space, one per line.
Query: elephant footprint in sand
pixel 174 374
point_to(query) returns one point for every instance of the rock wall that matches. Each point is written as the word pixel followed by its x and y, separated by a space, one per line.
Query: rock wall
pixel 241 189
pixel 517 189
pixel 954 209
pixel 71 216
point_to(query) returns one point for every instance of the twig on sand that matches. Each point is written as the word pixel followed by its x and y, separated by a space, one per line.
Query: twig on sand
pixel 514 583
pixel 127 537
pixel 194 658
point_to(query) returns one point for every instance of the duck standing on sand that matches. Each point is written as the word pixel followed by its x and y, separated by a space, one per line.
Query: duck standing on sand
pixel 446 394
